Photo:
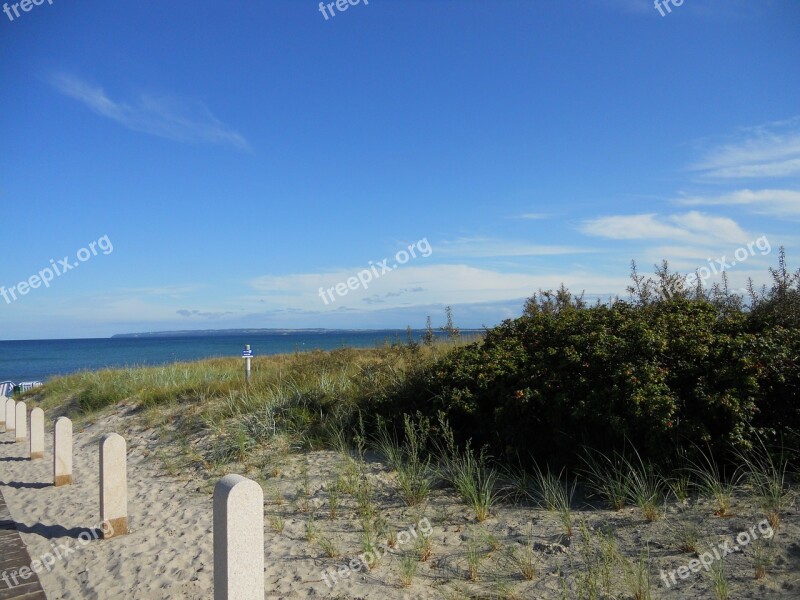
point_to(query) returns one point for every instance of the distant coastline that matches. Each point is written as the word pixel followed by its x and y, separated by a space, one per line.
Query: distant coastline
pixel 239 332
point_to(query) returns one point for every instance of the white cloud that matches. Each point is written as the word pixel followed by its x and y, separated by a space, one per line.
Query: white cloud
pixel 532 216
pixel 480 247
pixel 690 227
pixel 162 116
pixel 781 203
pixel 173 291
pixel 433 284
pixel 770 150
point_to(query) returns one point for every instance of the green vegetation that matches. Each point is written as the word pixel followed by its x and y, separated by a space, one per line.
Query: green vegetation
pixel 670 370
pixel 468 472
pixel 676 395
pixel 409 459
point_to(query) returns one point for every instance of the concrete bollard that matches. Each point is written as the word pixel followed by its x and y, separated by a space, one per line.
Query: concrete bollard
pixel 3 403
pixel 21 421
pixel 238 539
pixel 37 433
pixel 113 485
pixel 10 415
pixel 62 452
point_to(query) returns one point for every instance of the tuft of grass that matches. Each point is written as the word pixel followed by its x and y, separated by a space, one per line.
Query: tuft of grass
pixel 369 541
pixel 408 568
pixel 686 536
pixel 524 559
pixel 334 496
pixel 761 560
pixel 607 477
pixel 645 488
pixel 387 445
pixel 409 459
pixel 277 523
pixel 712 482
pixel 620 480
pixel 306 480
pixel 373 530
pixel 469 473
pixel 598 551
pixel 767 475
pixel 423 547
pixel 365 497
pixel 719 580
pixel 474 559
pixel 504 590
pixel 518 486
pixel 302 500
pixel 492 541
pixel 311 528
pixel 328 546
pixel 235 445
pixel 349 479
pixel 555 494
pixel 638 577
pixel 680 487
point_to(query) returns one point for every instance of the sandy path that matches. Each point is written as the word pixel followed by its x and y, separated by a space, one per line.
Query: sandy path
pixel 166 555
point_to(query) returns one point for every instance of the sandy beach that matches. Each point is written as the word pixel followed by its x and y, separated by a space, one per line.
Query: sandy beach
pixel 168 553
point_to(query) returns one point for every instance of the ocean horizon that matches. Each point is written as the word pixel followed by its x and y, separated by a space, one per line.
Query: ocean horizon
pixel 26 360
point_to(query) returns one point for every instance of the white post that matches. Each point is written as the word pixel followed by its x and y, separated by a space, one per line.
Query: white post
pixel 37 433
pixel 62 452
pixel 3 403
pixel 113 485
pixel 238 539
pixel 21 419
pixel 10 415
pixel 247 354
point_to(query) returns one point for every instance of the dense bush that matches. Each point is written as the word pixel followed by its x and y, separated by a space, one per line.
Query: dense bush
pixel 671 368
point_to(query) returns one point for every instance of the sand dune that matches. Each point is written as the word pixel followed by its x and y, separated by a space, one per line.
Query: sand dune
pixel 168 553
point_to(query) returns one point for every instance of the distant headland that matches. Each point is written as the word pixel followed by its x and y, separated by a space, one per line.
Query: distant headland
pixel 238 332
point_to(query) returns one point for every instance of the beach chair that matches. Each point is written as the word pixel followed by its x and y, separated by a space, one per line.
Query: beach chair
pixel 29 385
pixel 6 389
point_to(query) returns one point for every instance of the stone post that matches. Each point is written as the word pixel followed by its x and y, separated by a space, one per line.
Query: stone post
pixel 10 415
pixel 37 433
pixel 113 485
pixel 238 539
pixel 21 420
pixel 62 452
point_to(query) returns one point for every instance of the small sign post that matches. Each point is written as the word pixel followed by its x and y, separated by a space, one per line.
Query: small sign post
pixel 247 354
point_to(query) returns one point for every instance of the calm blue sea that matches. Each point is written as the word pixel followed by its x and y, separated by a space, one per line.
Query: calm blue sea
pixel 43 359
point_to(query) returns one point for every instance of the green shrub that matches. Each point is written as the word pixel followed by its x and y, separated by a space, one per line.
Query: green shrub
pixel 666 370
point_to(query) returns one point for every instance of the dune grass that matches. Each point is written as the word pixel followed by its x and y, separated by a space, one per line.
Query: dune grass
pixel 295 401
pixel 470 472
pixel 317 400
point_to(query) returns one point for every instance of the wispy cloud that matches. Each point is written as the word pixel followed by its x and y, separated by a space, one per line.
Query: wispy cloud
pixel 163 116
pixel 174 291
pixel 780 203
pixel 433 284
pixel 687 227
pixel 771 150
pixel 532 216
pixel 381 298
pixel 484 247
pixel 184 312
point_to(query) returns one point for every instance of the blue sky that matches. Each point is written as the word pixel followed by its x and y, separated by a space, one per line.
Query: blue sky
pixel 240 155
